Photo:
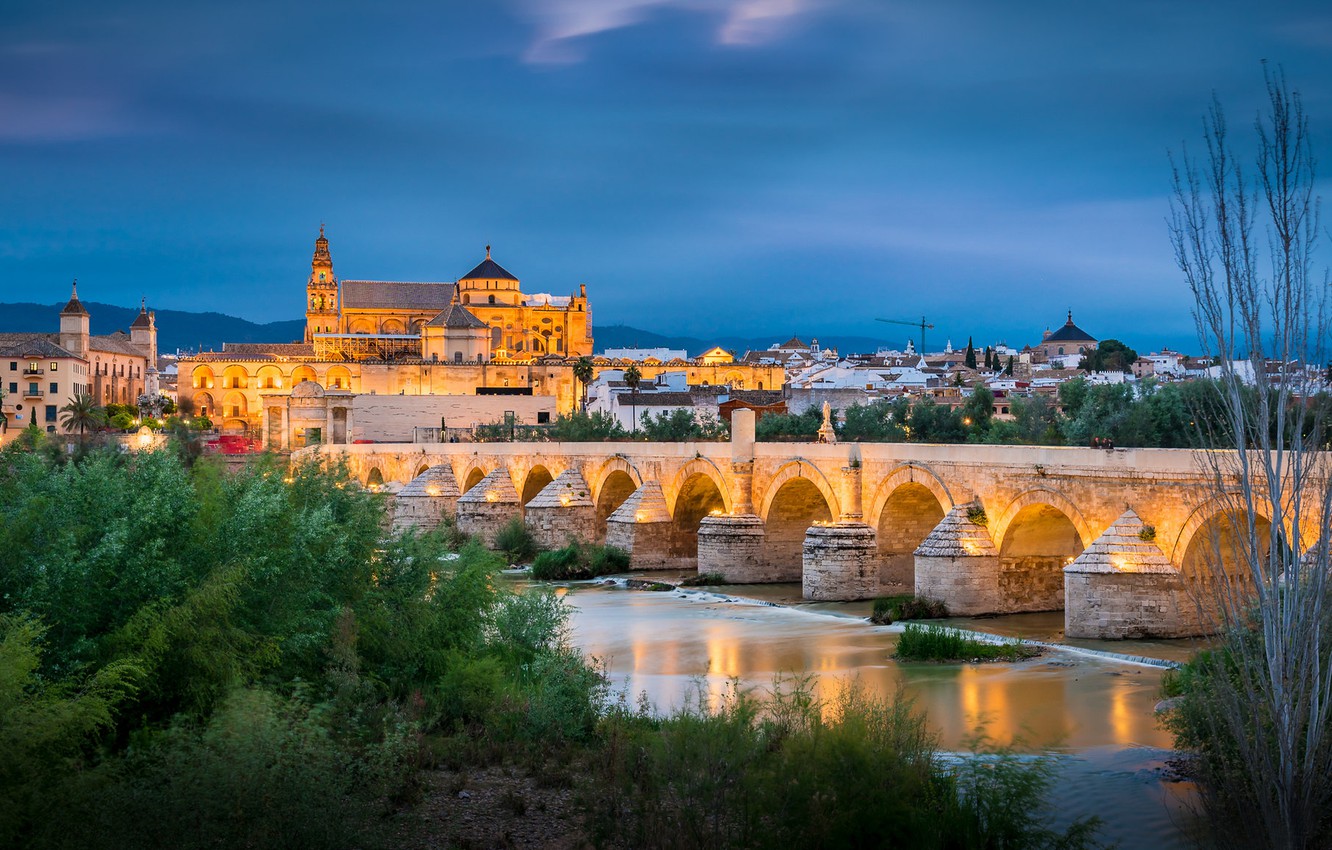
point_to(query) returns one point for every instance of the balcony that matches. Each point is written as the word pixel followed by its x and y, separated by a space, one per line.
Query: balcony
pixel 32 392
pixel 32 373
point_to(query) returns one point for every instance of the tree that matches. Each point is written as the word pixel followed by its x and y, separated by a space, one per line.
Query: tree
pixel 1259 714
pixel 582 372
pixel 978 411
pixel 970 358
pixel 633 377
pixel 81 413
pixel 1110 355
pixel 1008 369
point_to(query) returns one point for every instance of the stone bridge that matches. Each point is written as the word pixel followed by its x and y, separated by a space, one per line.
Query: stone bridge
pixel 1112 537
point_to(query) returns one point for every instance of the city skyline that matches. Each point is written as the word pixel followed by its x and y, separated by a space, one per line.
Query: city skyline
pixel 703 168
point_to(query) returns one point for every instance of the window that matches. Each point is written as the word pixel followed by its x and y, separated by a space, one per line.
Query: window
pixel 543 417
pixel 13 386
pixel 457 357
pixel 54 366
pixel 492 299
pixel 55 388
pixel 50 413
pixel 13 365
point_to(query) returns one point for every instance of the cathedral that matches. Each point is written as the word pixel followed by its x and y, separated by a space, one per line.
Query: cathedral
pixel 482 316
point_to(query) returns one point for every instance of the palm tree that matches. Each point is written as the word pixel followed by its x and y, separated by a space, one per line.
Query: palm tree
pixel 582 372
pixel 82 413
pixel 632 377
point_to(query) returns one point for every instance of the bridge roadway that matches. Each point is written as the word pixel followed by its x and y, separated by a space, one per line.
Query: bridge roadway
pixel 1112 537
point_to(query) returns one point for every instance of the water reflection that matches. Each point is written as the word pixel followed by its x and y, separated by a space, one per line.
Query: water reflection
pixel 664 644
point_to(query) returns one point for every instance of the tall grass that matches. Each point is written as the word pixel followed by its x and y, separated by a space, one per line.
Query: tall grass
pixel 579 561
pixel 516 542
pixel 889 609
pixel 792 770
pixel 937 643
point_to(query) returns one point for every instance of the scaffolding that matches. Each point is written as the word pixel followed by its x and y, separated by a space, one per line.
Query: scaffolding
pixel 367 347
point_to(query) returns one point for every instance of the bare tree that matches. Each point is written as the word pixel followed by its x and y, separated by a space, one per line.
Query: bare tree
pixel 1247 244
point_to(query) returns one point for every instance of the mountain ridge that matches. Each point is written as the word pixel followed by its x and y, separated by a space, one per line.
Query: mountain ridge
pixel 186 330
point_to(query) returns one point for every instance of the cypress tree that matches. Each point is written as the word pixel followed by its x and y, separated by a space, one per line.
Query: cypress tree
pixel 970 359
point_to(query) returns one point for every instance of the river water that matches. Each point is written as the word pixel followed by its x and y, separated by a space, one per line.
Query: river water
pixel 1095 712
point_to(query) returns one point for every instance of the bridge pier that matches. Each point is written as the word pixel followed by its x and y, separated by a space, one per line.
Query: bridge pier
pixel 489 506
pixel 733 547
pixel 642 526
pixel 426 500
pixel 840 562
pixel 958 565
pixel 563 510
pixel 1123 586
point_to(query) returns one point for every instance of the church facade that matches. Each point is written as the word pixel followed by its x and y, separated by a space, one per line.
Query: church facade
pixel 480 335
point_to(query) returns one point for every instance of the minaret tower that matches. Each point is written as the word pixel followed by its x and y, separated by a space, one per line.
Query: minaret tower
pixel 143 333
pixel 74 336
pixel 321 292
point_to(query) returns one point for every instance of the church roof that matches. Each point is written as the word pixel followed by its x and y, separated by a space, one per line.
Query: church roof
pixel 488 269
pixel 74 307
pixel 1070 333
pixel 794 342
pixel 456 316
pixel 395 295
pixel 142 320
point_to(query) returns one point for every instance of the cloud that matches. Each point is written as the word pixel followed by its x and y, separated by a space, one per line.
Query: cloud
pixel 60 119
pixel 561 23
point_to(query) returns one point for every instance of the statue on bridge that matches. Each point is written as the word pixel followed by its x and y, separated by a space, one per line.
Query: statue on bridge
pixel 826 432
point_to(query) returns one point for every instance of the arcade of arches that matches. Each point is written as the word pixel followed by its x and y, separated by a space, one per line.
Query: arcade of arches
pixel 984 528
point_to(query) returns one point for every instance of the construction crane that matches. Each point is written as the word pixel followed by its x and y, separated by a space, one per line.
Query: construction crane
pixel 922 324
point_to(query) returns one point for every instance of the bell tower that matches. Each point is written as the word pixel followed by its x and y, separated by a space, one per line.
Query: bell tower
pixel 321 292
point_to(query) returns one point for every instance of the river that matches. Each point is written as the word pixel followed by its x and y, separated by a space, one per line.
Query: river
pixel 1095 712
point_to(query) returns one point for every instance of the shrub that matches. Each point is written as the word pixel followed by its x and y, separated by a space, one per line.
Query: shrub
pixel 889 609
pixel 579 561
pixel 515 540
pixel 936 643
pixel 704 580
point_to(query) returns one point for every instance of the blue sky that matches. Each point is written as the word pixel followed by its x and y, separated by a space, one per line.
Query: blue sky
pixel 704 166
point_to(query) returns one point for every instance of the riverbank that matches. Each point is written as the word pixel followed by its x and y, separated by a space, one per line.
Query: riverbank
pixel 1096 710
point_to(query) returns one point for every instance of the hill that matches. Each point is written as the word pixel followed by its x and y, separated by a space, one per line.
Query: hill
pixel 185 330
pixel 176 329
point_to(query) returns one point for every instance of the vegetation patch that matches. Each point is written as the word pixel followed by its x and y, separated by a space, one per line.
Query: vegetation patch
pixel 579 561
pixel 937 643
pixel 516 542
pixel 704 580
pixel 889 609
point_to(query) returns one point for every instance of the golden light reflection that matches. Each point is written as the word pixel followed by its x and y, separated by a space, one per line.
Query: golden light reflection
pixel 492 496
pixel 565 500
pixel 1121 716
pixel 639 516
pixel 432 490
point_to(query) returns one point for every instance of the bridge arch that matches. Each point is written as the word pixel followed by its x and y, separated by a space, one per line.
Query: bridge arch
pixel 472 476
pixel 374 478
pixel 1216 535
pixel 612 483
pixel 534 480
pixel 906 507
pixel 1039 534
pixel 698 490
pixel 799 496
pixel 803 469
pixel 706 468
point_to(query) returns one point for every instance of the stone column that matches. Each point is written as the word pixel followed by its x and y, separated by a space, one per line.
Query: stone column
pixel 852 498
pixel 733 547
pixel 958 565
pixel 562 511
pixel 642 526
pixel 742 495
pixel 840 562
pixel 1123 586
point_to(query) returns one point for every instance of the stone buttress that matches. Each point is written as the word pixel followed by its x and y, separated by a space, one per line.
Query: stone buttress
pixel 562 511
pixel 642 526
pixel 958 565
pixel 489 506
pixel 426 500
pixel 1123 586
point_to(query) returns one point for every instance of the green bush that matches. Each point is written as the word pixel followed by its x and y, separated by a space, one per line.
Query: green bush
pixel 937 643
pixel 516 542
pixel 889 609
pixel 704 580
pixel 579 561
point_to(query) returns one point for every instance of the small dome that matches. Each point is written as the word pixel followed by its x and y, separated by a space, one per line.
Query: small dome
pixel 307 389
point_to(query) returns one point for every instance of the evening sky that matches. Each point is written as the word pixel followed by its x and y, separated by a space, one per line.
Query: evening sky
pixel 704 166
